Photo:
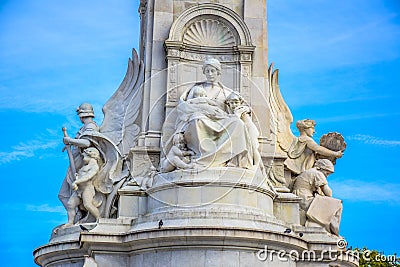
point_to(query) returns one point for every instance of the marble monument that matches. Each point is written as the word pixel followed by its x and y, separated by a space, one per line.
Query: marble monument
pixel 194 162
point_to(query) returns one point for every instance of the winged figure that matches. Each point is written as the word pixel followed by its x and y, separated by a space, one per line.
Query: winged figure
pixel 301 151
pixel 116 136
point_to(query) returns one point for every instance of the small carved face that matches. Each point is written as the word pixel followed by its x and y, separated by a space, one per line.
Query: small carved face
pixel 178 139
pixel 86 157
pixel 211 73
pixel 326 172
pixel 234 103
pixel 310 131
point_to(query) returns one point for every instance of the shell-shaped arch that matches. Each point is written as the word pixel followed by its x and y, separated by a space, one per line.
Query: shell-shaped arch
pixel 209 32
pixel 212 11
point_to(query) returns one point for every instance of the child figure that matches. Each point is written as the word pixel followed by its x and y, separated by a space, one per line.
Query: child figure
pixel 202 104
pixel 83 187
pixel 200 97
pixel 178 155
pixel 236 106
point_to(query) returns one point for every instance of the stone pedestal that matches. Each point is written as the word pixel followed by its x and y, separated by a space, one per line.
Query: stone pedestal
pixel 132 202
pixel 231 189
pixel 287 209
pixel 216 217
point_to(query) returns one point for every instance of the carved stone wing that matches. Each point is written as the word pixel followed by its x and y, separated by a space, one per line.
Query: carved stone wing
pixel 122 110
pixel 281 115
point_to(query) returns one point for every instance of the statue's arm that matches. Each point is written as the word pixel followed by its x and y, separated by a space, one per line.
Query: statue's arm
pixel 326 190
pixel 242 111
pixel 189 94
pixel 211 102
pixel 311 144
pixel 187 153
pixel 176 151
pixel 246 118
pixel 83 143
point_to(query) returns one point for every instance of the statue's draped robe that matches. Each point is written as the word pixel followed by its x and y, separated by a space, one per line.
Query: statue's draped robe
pixel 216 138
pixel 300 157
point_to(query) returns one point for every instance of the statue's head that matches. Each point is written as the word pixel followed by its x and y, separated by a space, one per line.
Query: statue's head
pixel 178 138
pixel 325 165
pixel 85 110
pixel 92 152
pixel 199 91
pixel 234 100
pixel 306 126
pixel 212 69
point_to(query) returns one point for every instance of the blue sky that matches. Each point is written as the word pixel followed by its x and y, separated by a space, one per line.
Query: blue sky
pixel 339 64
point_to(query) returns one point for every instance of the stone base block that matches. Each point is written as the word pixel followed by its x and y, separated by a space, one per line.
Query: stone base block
pixel 231 189
pixel 287 209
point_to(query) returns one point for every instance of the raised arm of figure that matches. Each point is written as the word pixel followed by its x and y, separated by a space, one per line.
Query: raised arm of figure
pixel 311 144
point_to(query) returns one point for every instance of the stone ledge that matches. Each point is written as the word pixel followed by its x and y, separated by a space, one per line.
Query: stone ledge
pixel 193 236
pixel 62 251
pixel 70 233
pixel 120 225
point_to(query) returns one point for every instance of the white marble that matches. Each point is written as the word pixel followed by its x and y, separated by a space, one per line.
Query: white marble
pixel 199 155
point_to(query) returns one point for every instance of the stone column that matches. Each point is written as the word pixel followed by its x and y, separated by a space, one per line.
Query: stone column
pixel 254 15
pixel 159 20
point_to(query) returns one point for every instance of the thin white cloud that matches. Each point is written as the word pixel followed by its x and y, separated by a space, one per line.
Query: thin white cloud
pixel 45 208
pixel 352 117
pixel 360 191
pixel 362 29
pixel 29 149
pixel 372 140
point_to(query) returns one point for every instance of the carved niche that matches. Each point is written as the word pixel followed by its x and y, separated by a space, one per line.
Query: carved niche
pixel 208 30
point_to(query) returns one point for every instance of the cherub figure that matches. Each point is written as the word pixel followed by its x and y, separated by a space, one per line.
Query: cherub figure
pixel 83 186
pixel 178 156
